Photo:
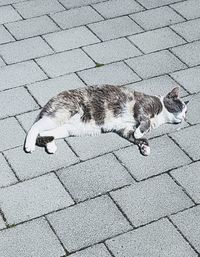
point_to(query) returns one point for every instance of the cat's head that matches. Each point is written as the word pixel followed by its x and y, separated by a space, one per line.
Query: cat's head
pixel 176 108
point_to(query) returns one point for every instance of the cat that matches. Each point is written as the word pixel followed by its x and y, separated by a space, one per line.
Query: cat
pixel 98 109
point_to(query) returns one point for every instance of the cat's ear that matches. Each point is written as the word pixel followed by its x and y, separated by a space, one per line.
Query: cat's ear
pixel 174 93
pixel 186 102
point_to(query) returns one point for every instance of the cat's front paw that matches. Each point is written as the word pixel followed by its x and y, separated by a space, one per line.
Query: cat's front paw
pixel 145 150
pixel 51 147
pixel 29 148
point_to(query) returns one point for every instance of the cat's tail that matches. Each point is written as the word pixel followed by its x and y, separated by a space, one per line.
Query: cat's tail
pixel 43 141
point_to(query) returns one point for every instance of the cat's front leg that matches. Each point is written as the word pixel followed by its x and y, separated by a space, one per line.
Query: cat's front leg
pixel 143 128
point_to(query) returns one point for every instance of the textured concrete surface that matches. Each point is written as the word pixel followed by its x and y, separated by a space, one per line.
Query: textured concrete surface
pixel 97 196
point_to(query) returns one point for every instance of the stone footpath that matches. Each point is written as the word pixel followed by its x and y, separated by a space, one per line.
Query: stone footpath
pixel 97 196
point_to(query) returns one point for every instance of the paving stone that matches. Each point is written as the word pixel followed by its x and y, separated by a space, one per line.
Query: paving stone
pixel 8 14
pixel 76 17
pixel 151 199
pixel 7 177
pixel 189 79
pixel 6 2
pixel 33 8
pixel 27 119
pixel 114 28
pixel 2 224
pixel 189 9
pixel 157 239
pixel 24 164
pixel 86 224
pixel 94 177
pixel 69 39
pixel 32 27
pixel 156 3
pixel 114 8
pixel 16 101
pixel 5 36
pixel 165 16
pixel 66 62
pixel 20 74
pixel 34 238
pixel 193 114
pixel 77 3
pixel 116 74
pixel 156 40
pixel 188 223
pixel 96 145
pixel 94 251
pixel 24 50
pixel 43 91
pixel 33 198
pixel 2 63
pixel 188 53
pixel 9 129
pixel 155 64
pixel 189 140
pixel 188 177
pixel 111 51
pixel 162 149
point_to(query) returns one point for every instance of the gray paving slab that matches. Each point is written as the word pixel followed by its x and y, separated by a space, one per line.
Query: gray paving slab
pixel 2 63
pixel 2 224
pixel 66 62
pixel 86 224
pixel 189 140
pixel 114 8
pixel 189 9
pixel 96 145
pixel 155 64
pixel 165 16
pixel 24 50
pixel 20 74
pixel 33 8
pixel 32 27
pixel 27 119
pixel 70 39
pixel 16 101
pixel 155 40
pixel 115 74
pixel 8 14
pixel 193 115
pixel 7 177
pixel 34 238
pixel 157 239
pixel 188 177
pixel 114 28
pixel 5 36
pixel 77 3
pixel 6 2
pixel 94 251
pixel 76 17
pixel 188 223
pixel 9 129
pixel 156 3
pixel 94 177
pixel 33 198
pixel 112 51
pixel 160 160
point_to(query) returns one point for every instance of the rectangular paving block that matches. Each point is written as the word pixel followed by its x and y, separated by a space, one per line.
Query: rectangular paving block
pixel 188 223
pixel 157 239
pixel 156 40
pixel 114 8
pixel 155 64
pixel 32 27
pixel 94 177
pixel 72 38
pixel 111 51
pixel 24 164
pixel 27 119
pixel 189 140
pixel 5 36
pixel 43 91
pixel 34 238
pixel 156 3
pixel 9 129
pixel 77 3
pixel 189 9
pixel 33 8
pixel 8 14
pixel 7 177
pixel 85 224
pixel 193 114
pixel 114 28
pixel 76 17
pixel 89 147
pixel 20 74
pixel 151 199
pixel 162 149
pixel 94 251
pixel 66 62
pixel 2 224
pixel 24 50
pixel 188 177
pixel 115 74
pixel 156 18
pixel 33 198
pixel 15 101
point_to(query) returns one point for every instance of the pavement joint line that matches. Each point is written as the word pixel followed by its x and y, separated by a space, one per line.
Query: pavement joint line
pixel 36 101
pixel 170 75
pixel 171 7
pixel 141 5
pixel 40 67
pixel 76 72
pixel 49 16
pixel 97 11
pixel 20 123
pixel 13 171
pixel 171 51
pixel 179 35
pixel 134 44
pixel 43 38
pixel 110 252
pixel 72 149
pixel 141 79
pixel 101 41
pixel 10 34
pixel 3 217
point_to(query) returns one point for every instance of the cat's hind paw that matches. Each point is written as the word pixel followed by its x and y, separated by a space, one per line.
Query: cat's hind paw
pixel 51 147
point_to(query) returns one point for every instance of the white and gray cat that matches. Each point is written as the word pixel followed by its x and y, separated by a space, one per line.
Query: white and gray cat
pixel 98 109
